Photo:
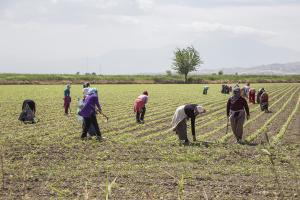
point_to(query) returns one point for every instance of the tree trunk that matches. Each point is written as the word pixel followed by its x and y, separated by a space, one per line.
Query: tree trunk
pixel 185 78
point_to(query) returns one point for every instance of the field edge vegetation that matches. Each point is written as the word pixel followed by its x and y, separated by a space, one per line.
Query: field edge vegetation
pixel 9 78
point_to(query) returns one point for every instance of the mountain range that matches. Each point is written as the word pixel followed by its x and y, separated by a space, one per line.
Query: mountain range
pixel 270 69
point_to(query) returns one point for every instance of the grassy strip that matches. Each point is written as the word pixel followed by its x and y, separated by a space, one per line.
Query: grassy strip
pixel 228 135
pixel 265 127
pixel 283 129
pixel 54 78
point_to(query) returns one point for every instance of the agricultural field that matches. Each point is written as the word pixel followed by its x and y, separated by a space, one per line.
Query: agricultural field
pixel 48 160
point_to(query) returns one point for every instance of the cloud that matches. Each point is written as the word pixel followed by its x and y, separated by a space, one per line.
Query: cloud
pixel 202 27
pixel 120 19
pixel 65 30
pixel 222 3
pixel 145 4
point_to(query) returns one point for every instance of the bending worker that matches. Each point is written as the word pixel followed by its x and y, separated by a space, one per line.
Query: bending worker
pixel 182 114
pixel 140 107
pixel 236 107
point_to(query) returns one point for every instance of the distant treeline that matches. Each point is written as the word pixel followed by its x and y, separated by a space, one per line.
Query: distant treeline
pixel 7 78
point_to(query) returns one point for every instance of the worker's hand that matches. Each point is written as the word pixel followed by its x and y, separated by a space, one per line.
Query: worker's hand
pixel 248 117
pixel 194 138
pixel 204 111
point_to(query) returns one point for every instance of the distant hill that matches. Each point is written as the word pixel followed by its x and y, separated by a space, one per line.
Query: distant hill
pixel 271 69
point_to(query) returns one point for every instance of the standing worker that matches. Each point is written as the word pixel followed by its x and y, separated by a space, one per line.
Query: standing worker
pixel 67 99
pixel 236 107
pixel 264 102
pixel 181 115
pixel 205 89
pixel 88 112
pixel 259 93
pixel 252 95
pixel 140 108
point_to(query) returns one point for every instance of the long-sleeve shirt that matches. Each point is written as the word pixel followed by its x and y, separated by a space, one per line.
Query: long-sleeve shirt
pixel 67 92
pixel 189 110
pixel 144 98
pixel 239 104
pixel 90 104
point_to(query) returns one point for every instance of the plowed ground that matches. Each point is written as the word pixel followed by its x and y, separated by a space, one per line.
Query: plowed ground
pixel 48 160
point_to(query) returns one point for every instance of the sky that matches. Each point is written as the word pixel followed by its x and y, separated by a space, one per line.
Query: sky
pixel 140 36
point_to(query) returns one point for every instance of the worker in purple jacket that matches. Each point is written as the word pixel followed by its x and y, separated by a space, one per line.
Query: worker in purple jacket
pixel 88 112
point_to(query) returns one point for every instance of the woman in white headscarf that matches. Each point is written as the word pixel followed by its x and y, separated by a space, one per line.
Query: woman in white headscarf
pixel 181 115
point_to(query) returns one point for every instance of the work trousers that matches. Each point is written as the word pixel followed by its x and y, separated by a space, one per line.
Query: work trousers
pixel 86 125
pixel 237 122
pixel 181 130
pixel 140 115
pixel 264 106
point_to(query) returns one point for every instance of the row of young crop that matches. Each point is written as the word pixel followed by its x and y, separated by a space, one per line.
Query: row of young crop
pixel 200 122
pixel 266 125
pixel 153 115
pixel 155 108
pixel 223 126
pixel 163 127
pixel 253 119
pixel 155 123
pixel 284 127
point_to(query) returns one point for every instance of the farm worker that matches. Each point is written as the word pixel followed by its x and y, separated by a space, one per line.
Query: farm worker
pixel 252 95
pixel 223 89
pixel 205 88
pixel 67 99
pixel 247 89
pixel 264 101
pixel 139 107
pixel 28 112
pixel 86 87
pixel 259 93
pixel 88 112
pixel 181 115
pixel 236 107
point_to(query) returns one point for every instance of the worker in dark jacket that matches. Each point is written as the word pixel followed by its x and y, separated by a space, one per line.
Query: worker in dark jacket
pixel 182 114
pixel 236 108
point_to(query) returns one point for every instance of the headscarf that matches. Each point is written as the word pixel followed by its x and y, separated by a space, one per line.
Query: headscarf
pixel 86 85
pixel 236 95
pixel 145 93
pixel 199 109
pixel 92 91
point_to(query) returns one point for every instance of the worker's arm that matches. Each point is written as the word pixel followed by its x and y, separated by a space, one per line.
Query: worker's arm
pixel 98 105
pixel 193 126
pixel 247 109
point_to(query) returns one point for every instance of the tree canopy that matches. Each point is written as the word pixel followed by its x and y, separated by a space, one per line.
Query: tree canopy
pixel 186 60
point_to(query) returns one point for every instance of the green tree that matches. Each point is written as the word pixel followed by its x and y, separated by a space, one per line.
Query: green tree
pixel 169 73
pixel 186 60
pixel 220 72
